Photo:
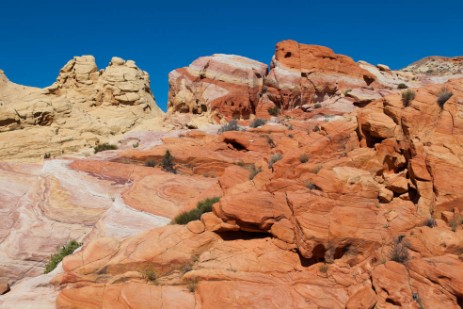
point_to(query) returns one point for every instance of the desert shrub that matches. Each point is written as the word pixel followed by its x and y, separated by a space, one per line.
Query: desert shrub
pixel 192 284
pixel 257 123
pixel 309 185
pixel 275 158
pixel 402 86
pixel 303 158
pixel 167 163
pixel 274 111
pixel 317 105
pixel 47 155
pixel 407 97
pixel 150 163
pixel 323 268
pixel 104 147
pixel 399 251
pixel 56 258
pixel 149 275
pixel 455 222
pixel 430 222
pixel 253 171
pixel 231 126
pixel 136 145
pixel 443 96
pixel 270 141
pixel 195 214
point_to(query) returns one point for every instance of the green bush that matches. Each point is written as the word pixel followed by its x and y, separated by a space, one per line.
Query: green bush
pixel 443 96
pixel 167 163
pixel 274 111
pixel 402 86
pixel 231 126
pixel 195 214
pixel 56 258
pixel 257 123
pixel 104 147
pixel 407 97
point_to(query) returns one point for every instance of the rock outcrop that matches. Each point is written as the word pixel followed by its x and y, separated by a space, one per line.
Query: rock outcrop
pixel 437 67
pixel 303 74
pixel 82 108
pixel 225 85
pixel 320 207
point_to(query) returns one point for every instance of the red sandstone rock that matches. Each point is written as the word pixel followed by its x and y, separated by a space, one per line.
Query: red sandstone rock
pixel 226 85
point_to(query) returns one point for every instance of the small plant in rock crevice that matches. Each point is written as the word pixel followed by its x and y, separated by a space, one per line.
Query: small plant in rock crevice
pixel 273 159
pixel 399 252
pixel 455 222
pixel 274 111
pixel 402 86
pixel 303 158
pixel 56 258
pixel 192 284
pixel 253 171
pixel 194 214
pixel 430 222
pixel 407 97
pixel 150 163
pixel 323 268
pixel 104 147
pixel 149 275
pixel 167 163
pixel 257 123
pixel 231 126
pixel 443 96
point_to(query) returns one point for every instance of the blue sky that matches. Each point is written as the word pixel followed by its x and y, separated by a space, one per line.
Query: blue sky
pixel 38 37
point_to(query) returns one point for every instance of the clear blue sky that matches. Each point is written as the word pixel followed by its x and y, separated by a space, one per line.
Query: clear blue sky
pixel 38 37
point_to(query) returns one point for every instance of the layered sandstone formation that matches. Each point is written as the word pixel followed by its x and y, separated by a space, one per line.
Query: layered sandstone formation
pixel 331 217
pixel 353 203
pixel 227 85
pixel 300 76
pixel 82 108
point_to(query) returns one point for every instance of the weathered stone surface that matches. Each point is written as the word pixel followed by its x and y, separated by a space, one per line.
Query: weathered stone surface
pixel 82 108
pixel 355 203
pixel 303 74
pixel 226 85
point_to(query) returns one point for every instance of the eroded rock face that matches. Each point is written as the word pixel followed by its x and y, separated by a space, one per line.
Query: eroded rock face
pixel 81 109
pixel 328 207
pixel 227 85
pixel 122 82
pixel 302 74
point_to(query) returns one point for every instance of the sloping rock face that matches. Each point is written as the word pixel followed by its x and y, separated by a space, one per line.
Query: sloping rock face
pixel 357 208
pixel 83 108
pixel 220 84
pixel 328 207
